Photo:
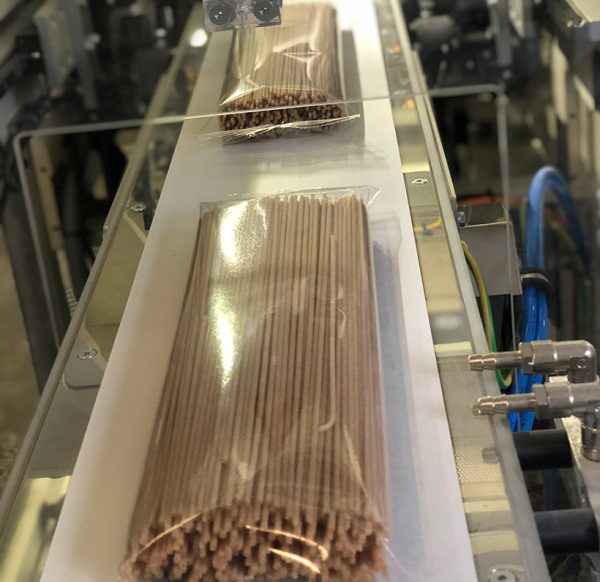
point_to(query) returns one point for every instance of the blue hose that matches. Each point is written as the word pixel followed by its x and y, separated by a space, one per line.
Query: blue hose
pixel 535 301
pixel 549 179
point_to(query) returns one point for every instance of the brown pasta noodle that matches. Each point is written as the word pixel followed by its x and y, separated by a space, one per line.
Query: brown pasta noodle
pixel 267 459
pixel 291 72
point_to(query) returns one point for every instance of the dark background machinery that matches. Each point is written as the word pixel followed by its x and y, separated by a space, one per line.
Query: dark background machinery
pixel 543 60
pixel 65 63
pixel 540 63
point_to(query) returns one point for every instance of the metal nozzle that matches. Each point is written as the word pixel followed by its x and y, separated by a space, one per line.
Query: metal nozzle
pixel 504 404
pixel 495 361
pixel 577 358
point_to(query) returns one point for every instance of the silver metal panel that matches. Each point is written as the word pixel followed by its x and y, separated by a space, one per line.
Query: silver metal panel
pixel 500 519
pixel 503 532
pixel 588 10
pixel 527 557
pixel 52 23
pixel 582 17
pixel 500 22
pixel 484 241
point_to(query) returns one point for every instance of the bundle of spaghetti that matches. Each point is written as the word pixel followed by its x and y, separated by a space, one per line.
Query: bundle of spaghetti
pixel 267 457
pixel 285 74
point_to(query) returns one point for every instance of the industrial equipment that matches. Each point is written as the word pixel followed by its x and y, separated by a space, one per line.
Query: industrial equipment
pixel 474 125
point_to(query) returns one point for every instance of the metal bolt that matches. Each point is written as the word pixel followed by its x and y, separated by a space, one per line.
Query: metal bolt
pixel 87 354
pixel 489 456
pixel 264 10
pixel 420 181
pixel 221 14
pixel 138 207
pixel 461 218
pixel 502 575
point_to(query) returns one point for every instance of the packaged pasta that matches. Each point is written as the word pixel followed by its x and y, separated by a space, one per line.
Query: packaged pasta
pixel 287 78
pixel 268 456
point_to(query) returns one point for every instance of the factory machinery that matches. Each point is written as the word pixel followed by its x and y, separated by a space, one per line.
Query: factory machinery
pixel 482 116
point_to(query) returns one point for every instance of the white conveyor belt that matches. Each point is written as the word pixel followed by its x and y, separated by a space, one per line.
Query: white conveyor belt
pixel 429 538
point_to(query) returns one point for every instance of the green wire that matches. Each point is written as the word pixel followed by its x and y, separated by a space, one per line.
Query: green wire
pixel 488 319
pixel 504 382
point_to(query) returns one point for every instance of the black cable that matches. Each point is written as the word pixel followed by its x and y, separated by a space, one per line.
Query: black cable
pixel 72 200
pixel 72 225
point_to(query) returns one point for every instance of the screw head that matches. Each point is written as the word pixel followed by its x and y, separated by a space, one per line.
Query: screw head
pixel 264 10
pixel 87 354
pixel 138 207
pixel 420 181
pixel 461 218
pixel 221 14
pixel 502 575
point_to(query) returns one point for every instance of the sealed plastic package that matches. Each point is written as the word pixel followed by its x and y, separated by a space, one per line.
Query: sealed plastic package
pixel 268 456
pixel 288 77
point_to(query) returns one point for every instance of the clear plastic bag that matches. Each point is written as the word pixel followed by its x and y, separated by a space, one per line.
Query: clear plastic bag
pixel 286 79
pixel 268 457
